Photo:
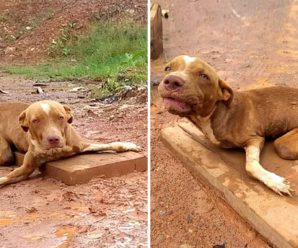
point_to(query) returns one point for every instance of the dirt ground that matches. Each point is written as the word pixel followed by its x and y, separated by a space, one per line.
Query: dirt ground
pixel 28 28
pixel 250 44
pixel 43 212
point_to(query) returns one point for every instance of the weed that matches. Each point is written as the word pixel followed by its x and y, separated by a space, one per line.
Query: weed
pixel 59 45
pixel 110 87
pixel 3 18
pixel 113 52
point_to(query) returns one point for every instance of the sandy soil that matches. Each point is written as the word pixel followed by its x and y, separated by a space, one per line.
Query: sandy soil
pixel 42 212
pixel 251 44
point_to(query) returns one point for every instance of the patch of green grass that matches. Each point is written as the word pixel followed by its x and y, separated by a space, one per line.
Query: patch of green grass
pixel 3 18
pixel 61 46
pixel 113 52
pixel 107 89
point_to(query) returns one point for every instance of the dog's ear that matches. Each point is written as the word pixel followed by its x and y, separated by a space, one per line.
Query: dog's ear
pixel 69 115
pixel 23 121
pixel 226 92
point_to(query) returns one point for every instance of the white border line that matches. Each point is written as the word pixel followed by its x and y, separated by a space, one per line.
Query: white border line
pixel 148 125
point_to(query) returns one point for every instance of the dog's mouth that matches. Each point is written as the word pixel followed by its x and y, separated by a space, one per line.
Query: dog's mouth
pixel 49 147
pixel 176 105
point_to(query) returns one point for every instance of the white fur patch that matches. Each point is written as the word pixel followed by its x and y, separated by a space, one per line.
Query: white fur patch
pixel 96 147
pixel 114 146
pixel 3 180
pixel 188 59
pixel 273 181
pixel 205 126
pixel 253 165
pixel 252 153
pixel 126 146
pixel 46 108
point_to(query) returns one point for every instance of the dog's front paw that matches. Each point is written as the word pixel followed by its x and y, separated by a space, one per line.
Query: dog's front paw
pixel 3 180
pixel 127 146
pixel 278 184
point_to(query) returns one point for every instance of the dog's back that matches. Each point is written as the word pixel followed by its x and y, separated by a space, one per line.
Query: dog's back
pixel 10 128
pixel 275 108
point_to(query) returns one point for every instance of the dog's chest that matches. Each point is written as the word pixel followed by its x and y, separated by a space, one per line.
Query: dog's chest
pixel 204 125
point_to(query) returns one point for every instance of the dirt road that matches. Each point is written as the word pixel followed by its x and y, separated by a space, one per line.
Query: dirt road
pixel 251 44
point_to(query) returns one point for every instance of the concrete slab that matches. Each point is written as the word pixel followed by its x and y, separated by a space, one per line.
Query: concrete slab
pixel 82 168
pixel 273 216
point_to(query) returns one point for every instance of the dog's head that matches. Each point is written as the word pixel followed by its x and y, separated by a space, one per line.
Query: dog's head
pixel 47 122
pixel 191 86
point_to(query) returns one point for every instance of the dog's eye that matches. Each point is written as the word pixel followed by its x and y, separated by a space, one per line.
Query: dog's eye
pixel 35 121
pixel 204 76
pixel 168 68
pixel 61 117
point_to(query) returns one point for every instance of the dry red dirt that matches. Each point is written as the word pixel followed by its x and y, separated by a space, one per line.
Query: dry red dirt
pixel 250 44
pixel 43 212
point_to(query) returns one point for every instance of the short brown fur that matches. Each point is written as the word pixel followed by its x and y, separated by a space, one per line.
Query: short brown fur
pixel 42 130
pixel 235 118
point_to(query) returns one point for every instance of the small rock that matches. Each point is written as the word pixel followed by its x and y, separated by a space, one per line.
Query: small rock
pixel 31 210
pixel 3 92
pixel 165 13
pixel 96 212
pixel 70 196
pixel 189 219
pixel 131 11
pixel 39 90
pixel 76 89
pixel 9 50
pixel 94 235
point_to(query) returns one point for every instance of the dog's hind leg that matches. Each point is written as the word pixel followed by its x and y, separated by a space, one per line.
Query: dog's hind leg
pixel 286 146
pixel 6 155
pixel 277 183
pixel 114 146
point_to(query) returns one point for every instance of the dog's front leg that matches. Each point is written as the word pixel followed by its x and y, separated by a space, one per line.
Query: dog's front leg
pixel 277 183
pixel 114 146
pixel 20 173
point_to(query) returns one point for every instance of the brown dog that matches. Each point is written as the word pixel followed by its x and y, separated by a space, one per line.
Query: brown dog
pixel 42 130
pixel 234 118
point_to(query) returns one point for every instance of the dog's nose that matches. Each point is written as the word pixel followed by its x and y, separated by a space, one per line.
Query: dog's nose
pixel 173 82
pixel 53 140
